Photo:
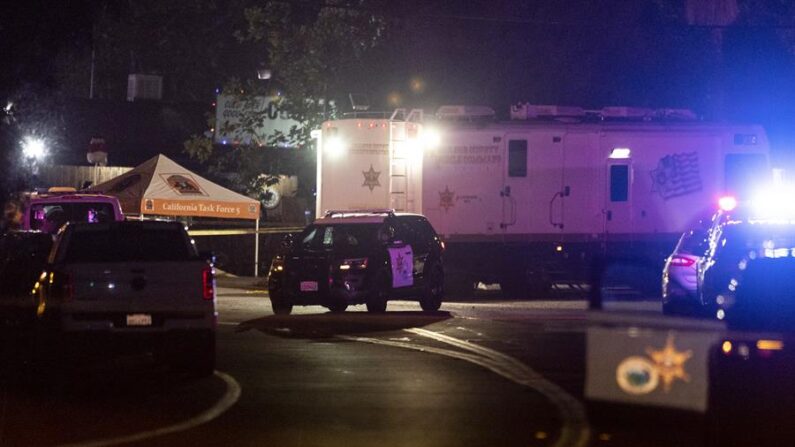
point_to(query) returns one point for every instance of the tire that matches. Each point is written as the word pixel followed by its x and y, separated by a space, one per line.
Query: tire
pixel 376 302
pixel 431 300
pixel 279 305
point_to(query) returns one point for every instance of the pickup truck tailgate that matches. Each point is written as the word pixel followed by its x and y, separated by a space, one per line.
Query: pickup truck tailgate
pixel 138 286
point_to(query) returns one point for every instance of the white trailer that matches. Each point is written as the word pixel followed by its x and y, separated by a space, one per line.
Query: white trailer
pixel 534 200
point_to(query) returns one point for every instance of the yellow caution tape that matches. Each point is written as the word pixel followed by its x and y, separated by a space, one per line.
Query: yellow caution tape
pixel 237 232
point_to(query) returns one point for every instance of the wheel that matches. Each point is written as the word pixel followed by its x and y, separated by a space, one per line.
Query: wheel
pixel 279 305
pixel 431 300
pixel 376 302
pixel 338 306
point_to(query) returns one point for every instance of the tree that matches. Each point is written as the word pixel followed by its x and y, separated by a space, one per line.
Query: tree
pixel 190 43
pixel 316 52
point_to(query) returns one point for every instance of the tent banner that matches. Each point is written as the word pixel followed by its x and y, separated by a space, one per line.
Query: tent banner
pixel 202 208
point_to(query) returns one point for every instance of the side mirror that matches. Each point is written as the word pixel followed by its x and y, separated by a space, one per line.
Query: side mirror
pixel 288 241
pixel 208 256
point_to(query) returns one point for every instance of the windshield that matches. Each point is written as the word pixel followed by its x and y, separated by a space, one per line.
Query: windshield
pixel 346 237
pixel 126 244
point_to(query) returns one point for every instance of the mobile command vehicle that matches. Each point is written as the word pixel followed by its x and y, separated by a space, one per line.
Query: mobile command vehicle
pixel 530 202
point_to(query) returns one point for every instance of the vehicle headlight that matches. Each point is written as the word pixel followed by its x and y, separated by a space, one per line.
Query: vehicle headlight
pixel 353 264
pixel 277 265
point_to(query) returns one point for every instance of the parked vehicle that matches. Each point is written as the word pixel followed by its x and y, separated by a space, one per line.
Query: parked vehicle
pixel 132 283
pixel 23 255
pixel 530 201
pixel 680 274
pixel 751 247
pixel 48 212
pixel 359 257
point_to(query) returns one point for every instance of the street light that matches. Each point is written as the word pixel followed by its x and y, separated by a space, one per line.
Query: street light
pixel 34 148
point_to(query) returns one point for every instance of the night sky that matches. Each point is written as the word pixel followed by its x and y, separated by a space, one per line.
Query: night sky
pixel 592 53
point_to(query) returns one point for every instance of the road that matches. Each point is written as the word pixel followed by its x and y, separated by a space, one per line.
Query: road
pixel 484 372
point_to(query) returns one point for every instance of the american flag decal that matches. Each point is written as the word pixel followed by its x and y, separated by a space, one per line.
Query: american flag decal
pixel 676 175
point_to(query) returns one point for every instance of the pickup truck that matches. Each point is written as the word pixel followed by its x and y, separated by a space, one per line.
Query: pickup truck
pixel 23 255
pixel 138 284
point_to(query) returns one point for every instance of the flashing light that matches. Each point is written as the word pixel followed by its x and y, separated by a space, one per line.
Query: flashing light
pixel 727 347
pixel 335 147
pixel 620 153
pixel 430 138
pixel 34 148
pixel 776 203
pixel 727 203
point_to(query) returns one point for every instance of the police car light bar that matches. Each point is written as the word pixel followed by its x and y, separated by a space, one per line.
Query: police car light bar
pixel 727 203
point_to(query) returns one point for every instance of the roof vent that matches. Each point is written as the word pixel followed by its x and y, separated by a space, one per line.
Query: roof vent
pixel 525 111
pixel 626 112
pixel 465 113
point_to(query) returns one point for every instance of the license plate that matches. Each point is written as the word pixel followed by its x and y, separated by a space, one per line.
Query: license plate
pixel 309 286
pixel 139 320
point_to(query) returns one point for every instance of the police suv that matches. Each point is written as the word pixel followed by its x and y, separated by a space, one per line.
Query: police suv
pixel 359 257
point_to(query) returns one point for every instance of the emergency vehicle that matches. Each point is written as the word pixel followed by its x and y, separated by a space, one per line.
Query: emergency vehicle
pixel 531 201
pixel 48 211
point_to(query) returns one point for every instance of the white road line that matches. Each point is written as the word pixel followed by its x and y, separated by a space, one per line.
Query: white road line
pixel 575 430
pixel 229 398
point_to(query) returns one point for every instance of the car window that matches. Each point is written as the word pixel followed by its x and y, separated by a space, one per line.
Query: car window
pixel 693 242
pixel 49 217
pixel 127 243
pixel 341 236
pixel 764 240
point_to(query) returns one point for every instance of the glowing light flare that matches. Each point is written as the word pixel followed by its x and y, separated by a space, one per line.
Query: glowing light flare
pixel 620 153
pixel 769 345
pixel 430 138
pixel 34 148
pixel 775 203
pixel 335 147
pixel 727 203
pixel 727 347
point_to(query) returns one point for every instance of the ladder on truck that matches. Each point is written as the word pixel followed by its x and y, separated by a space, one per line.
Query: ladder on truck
pixel 402 163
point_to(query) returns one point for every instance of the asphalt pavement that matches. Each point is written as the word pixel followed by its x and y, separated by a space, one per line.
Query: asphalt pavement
pixel 483 371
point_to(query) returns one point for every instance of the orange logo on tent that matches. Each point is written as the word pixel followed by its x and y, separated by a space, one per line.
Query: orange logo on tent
pixel 183 184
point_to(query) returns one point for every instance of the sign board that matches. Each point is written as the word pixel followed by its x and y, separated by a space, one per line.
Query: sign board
pixel 647 366
pixel 234 122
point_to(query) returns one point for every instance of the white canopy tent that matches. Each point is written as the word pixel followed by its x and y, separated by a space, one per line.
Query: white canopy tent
pixel 161 187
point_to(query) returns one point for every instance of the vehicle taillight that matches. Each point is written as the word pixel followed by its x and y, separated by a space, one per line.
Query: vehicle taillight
pixel 681 261
pixel 63 286
pixel 208 283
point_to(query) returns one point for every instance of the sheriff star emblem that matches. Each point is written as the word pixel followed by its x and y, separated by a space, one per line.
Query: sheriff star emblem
pixel 446 198
pixel 371 178
pixel 670 363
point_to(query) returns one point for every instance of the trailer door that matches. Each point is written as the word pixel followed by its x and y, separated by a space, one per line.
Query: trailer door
pixel 618 197
pixel 533 181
